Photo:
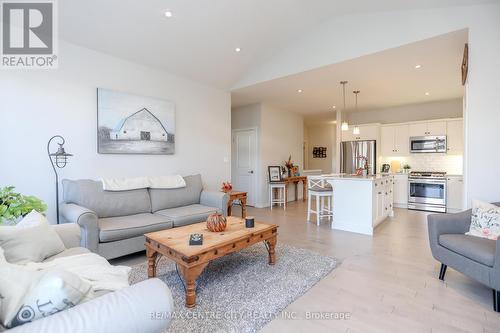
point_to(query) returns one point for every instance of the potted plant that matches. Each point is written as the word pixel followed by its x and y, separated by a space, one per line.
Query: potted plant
pixel 289 166
pixel 14 206
pixel 364 169
pixel 226 187
pixel 406 168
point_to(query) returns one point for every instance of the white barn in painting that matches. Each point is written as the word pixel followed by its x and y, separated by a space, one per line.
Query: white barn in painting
pixel 142 125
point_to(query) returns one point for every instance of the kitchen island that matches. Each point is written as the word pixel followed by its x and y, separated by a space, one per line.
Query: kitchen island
pixel 360 203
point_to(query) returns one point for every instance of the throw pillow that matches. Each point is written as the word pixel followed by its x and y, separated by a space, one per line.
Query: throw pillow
pixel 485 220
pixel 57 290
pixel 15 280
pixel 32 240
pixel 29 295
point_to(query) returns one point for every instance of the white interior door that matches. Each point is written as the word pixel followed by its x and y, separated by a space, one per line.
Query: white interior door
pixel 243 163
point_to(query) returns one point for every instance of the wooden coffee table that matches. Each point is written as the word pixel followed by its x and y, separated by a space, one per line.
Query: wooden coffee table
pixel 191 260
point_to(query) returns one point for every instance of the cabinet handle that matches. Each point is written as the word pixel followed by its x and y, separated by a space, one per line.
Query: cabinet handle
pixel 379 192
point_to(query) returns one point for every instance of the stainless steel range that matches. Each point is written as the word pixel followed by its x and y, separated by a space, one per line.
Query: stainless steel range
pixel 427 191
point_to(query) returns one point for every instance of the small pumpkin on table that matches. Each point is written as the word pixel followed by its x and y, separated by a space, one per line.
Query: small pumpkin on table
pixel 216 222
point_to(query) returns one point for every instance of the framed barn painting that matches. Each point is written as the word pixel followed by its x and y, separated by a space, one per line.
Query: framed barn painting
pixel 131 124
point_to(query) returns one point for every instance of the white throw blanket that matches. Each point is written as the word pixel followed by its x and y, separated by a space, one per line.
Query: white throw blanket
pixel 91 268
pixel 124 184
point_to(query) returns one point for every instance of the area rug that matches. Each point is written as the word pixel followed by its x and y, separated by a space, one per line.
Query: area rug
pixel 240 292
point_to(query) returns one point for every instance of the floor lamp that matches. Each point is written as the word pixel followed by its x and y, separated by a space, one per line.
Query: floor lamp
pixel 58 159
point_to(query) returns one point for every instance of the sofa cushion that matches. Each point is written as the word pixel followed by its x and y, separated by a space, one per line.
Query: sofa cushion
pixel 188 214
pixel 177 197
pixel 124 227
pixel 481 250
pixel 90 194
pixel 69 252
pixel 32 243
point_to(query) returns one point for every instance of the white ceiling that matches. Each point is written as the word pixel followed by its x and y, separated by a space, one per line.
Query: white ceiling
pixel 385 79
pixel 199 40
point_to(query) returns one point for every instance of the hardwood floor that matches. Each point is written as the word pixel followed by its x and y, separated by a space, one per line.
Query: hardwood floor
pixel 388 283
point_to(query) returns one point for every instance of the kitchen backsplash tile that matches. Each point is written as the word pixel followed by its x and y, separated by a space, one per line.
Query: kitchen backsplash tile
pixel 452 164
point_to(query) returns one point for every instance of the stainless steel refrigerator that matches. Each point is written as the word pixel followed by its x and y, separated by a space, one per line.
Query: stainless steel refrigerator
pixel 350 151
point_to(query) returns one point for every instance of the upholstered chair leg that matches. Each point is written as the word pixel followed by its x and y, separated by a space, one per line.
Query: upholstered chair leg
pixel 442 272
pixel 496 300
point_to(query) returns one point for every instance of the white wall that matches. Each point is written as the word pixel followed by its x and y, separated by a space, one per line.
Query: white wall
pixel 246 116
pixel 38 104
pixel 329 43
pixel 452 108
pixel 321 135
pixel 280 134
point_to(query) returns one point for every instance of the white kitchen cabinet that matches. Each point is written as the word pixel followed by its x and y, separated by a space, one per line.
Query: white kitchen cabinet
pixel 383 199
pixel 366 132
pixel 402 140
pixel 418 129
pixel 455 136
pixel 394 140
pixel 428 128
pixel 454 194
pixel 361 203
pixel 387 140
pixel 401 190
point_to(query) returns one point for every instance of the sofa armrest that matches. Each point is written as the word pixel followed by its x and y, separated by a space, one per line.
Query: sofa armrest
pixel 143 307
pixel 215 199
pixel 87 220
pixel 439 224
pixel 69 234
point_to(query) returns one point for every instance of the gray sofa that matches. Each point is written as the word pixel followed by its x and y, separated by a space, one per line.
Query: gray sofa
pixel 113 224
pixel 476 257
pixel 142 307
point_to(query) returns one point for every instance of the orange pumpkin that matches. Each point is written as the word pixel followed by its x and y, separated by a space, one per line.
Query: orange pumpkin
pixel 216 222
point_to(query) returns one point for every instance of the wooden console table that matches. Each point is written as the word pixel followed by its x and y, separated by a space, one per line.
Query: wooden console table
pixel 296 180
pixel 242 197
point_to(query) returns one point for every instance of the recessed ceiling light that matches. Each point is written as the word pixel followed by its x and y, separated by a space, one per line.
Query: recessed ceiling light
pixel 418 66
pixel 299 91
pixel 237 49
pixel 169 14
pixel 427 93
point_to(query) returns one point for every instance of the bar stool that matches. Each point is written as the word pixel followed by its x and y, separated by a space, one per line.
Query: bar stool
pixel 321 191
pixel 280 189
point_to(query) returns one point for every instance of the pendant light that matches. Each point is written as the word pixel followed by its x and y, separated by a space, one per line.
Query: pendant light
pixel 355 131
pixel 345 125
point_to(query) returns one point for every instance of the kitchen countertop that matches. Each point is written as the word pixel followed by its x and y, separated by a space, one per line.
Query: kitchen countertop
pixel 354 177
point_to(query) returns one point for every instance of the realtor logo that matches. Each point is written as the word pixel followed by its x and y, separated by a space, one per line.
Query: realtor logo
pixel 28 34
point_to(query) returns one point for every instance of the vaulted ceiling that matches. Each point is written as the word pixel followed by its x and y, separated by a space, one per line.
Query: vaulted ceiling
pixel 199 40
pixel 419 72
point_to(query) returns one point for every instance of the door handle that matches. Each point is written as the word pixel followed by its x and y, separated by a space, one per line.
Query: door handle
pixel 251 171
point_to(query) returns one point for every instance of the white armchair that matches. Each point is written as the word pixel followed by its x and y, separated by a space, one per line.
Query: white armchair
pixel 142 307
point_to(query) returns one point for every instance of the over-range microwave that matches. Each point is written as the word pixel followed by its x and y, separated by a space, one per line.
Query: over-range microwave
pixel 428 144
